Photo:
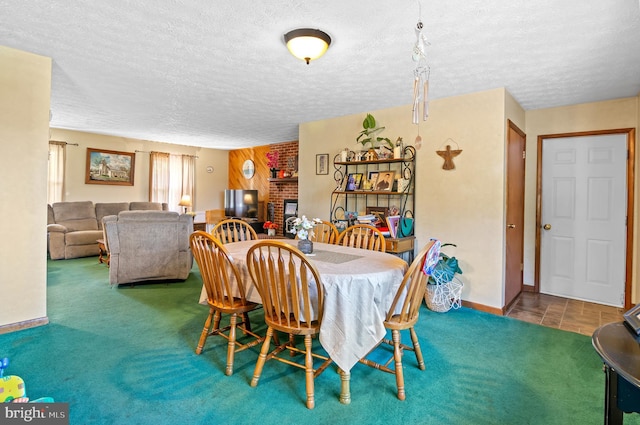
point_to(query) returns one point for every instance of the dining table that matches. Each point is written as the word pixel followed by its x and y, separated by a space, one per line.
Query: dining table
pixel 359 287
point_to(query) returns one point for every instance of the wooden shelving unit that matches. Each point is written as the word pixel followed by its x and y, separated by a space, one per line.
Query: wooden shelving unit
pixel 344 201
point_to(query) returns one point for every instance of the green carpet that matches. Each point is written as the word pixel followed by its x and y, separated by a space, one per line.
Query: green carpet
pixel 126 356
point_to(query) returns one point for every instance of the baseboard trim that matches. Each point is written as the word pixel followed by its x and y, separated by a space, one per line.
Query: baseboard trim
pixel 18 326
pixel 482 307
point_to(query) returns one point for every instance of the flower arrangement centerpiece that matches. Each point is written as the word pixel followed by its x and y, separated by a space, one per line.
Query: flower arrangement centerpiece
pixel 272 162
pixel 303 228
pixel 270 227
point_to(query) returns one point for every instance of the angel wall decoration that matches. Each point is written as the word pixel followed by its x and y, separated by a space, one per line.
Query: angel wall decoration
pixel 448 154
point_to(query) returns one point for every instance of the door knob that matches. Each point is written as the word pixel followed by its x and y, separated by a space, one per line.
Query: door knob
pixel 511 226
pixel 547 227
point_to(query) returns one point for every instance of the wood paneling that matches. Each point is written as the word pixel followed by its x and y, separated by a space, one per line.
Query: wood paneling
pixel 259 181
pixel 267 192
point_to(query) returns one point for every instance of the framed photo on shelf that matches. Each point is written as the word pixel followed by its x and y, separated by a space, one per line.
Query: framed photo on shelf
pixel 322 163
pixel 384 182
pixel 341 225
pixel 353 182
pixel 373 179
pixel 109 167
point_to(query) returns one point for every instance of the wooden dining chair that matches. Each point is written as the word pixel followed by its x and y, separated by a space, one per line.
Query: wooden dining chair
pixel 233 230
pixel 325 232
pixel 363 236
pixel 293 301
pixel 225 295
pixel 403 315
pixel 213 217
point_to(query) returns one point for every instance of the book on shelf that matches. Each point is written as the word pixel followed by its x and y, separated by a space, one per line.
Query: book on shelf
pixel 385 231
pixel 373 220
pixel 392 224
pixel 367 218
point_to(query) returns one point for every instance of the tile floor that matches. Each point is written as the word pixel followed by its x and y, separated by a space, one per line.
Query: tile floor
pixel 561 313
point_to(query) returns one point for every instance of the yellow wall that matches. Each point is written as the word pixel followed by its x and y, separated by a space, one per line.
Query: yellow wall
pixel 612 114
pixel 25 85
pixel 209 186
pixel 464 206
pixel 514 112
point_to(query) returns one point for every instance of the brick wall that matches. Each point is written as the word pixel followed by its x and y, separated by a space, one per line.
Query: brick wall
pixel 279 191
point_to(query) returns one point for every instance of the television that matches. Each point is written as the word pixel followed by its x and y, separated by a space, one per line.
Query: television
pixel 241 203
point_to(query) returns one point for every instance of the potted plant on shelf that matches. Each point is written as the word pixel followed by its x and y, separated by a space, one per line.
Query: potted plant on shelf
pixel 444 289
pixel 369 134
pixel 270 227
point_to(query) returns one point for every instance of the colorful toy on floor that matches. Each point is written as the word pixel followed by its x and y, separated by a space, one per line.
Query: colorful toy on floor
pixel 12 388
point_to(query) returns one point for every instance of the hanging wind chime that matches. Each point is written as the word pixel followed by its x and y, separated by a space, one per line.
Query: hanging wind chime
pixel 421 79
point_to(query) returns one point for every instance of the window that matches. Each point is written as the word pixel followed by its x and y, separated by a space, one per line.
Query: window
pixel 172 176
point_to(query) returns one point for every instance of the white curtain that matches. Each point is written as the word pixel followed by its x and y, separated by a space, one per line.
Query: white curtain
pixel 188 176
pixel 172 176
pixel 55 179
pixel 175 184
pixel 159 177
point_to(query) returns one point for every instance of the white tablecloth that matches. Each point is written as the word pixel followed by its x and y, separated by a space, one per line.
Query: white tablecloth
pixel 359 288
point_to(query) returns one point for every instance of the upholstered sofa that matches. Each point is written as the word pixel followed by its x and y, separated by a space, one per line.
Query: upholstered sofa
pixel 73 228
pixel 148 245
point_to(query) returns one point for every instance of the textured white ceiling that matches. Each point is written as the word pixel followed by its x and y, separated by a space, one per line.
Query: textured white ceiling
pixel 217 74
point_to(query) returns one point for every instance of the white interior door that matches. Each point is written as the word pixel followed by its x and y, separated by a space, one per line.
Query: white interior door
pixel 583 239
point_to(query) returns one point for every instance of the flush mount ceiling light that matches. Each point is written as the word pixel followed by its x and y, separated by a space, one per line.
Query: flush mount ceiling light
pixel 307 43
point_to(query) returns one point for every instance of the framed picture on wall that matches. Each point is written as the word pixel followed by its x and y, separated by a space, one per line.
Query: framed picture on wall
pixel 109 167
pixel 322 163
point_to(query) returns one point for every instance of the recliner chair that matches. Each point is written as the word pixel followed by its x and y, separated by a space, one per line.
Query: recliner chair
pixel 148 245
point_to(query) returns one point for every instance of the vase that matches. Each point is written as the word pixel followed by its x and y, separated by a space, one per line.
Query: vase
pixel 271 232
pixel 274 173
pixel 306 246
